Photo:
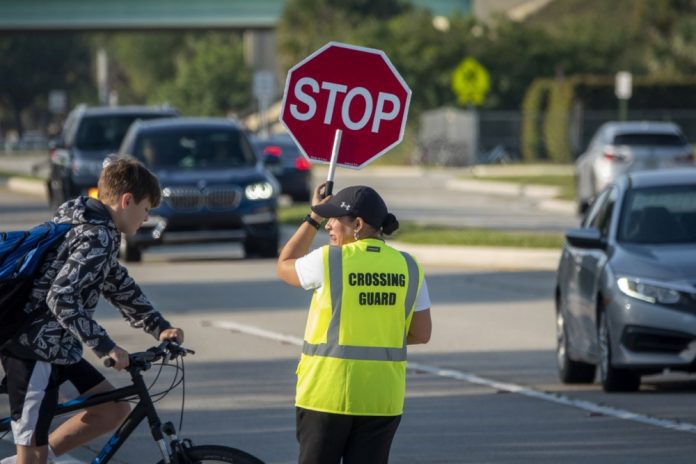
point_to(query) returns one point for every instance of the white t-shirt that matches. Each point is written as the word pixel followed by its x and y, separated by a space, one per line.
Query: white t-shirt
pixel 310 270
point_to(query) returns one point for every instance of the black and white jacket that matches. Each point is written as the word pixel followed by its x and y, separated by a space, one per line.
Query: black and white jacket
pixel 72 278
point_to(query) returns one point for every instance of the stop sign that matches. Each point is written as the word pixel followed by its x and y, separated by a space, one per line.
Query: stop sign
pixel 354 89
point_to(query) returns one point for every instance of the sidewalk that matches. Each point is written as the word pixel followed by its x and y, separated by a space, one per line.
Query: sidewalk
pixel 486 258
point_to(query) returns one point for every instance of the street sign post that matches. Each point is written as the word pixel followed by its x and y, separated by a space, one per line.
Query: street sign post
pixel 623 88
pixel 345 105
pixel 263 89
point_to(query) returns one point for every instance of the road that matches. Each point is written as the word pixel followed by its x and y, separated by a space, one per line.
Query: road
pixel 484 390
pixel 425 195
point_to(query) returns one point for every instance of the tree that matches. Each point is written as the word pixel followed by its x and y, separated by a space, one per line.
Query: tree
pixel 321 21
pixel 32 65
pixel 210 77
pixel 200 73
pixel 142 62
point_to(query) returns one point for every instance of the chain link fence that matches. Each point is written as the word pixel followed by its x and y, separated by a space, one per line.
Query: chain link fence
pixel 455 137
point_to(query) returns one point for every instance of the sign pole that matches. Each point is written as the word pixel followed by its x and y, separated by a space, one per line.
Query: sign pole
pixel 332 163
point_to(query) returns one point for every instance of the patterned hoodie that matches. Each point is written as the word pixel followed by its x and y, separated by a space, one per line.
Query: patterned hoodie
pixel 75 273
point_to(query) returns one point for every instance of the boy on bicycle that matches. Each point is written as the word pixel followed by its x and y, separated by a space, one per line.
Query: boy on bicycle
pixel 48 353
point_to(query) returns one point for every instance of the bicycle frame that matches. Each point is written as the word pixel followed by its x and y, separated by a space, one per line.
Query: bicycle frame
pixel 144 409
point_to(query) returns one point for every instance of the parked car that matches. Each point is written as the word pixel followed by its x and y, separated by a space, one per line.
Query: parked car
pixel 89 134
pixel 283 158
pixel 214 187
pixel 626 283
pixel 621 147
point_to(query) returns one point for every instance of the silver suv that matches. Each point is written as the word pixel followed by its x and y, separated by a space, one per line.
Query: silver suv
pixel 621 147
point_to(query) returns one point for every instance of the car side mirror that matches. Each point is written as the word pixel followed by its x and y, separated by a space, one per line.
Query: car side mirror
pixel 589 237
pixel 56 143
pixel 60 156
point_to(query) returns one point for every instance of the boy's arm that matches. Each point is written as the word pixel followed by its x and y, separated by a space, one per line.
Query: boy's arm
pixel 82 268
pixel 121 291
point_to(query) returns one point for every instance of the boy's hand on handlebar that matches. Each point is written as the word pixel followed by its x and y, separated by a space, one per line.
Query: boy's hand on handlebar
pixel 174 334
pixel 120 357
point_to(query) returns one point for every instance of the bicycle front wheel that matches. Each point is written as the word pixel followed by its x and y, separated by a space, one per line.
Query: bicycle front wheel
pixel 212 454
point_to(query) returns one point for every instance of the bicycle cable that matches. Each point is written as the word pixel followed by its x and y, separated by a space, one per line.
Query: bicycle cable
pixel 183 393
pixel 175 383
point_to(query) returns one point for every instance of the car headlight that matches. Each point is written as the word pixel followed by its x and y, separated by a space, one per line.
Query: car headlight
pixel 648 290
pixel 259 191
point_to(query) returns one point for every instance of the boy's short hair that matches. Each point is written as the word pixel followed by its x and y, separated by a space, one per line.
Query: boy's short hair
pixel 125 174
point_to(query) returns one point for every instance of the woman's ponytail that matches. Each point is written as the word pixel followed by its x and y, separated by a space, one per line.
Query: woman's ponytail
pixel 390 224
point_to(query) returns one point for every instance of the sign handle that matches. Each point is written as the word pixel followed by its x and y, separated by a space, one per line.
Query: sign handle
pixel 332 164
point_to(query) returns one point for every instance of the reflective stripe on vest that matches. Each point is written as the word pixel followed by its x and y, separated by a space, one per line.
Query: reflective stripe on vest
pixel 367 353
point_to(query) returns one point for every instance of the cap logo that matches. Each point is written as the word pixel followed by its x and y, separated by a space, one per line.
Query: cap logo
pixel 345 206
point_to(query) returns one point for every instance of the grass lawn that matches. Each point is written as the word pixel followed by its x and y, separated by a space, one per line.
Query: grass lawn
pixel 410 232
pixel 23 176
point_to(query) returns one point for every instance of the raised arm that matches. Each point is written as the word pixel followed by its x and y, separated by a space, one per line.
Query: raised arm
pixel 299 243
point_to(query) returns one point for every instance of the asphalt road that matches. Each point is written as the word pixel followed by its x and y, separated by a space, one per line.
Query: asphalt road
pixel 429 196
pixel 484 390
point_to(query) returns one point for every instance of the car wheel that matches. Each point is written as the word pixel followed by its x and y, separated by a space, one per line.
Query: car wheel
pixel 261 248
pixel 129 253
pixel 570 371
pixel 55 197
pixel 302 197
pixel 613 379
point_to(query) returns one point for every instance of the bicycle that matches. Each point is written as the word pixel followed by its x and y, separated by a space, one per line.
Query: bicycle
pixel 176 451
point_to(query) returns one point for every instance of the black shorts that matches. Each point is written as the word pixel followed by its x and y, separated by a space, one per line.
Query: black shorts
pixel 34 388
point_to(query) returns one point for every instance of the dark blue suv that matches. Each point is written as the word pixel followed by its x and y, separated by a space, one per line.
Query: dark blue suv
pixel 214 188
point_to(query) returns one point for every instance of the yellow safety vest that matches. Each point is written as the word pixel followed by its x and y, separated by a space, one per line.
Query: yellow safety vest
pixel 354 354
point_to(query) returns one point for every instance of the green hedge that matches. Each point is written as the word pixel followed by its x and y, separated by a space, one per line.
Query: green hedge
pixel 532 112
pixel 554 98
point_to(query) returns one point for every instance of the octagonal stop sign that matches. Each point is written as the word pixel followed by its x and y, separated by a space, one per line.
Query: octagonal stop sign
pixel 352 89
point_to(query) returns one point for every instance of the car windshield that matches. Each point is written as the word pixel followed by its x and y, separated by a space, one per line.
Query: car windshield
pixel 194 149
pixel 659 215
pixel 105 133
pixel 649 139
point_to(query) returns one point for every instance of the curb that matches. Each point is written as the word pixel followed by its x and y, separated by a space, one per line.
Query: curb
pixel 486 258
pixel 543 195
pixel 482 258
pixel 503 188
pixel 24 185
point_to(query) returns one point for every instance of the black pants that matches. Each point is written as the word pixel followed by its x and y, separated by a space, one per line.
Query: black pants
pixel 325 438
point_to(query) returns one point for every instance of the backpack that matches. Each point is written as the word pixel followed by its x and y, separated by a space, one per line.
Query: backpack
pixel 21 254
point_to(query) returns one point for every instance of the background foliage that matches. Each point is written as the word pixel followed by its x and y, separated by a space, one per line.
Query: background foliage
pixel 205 73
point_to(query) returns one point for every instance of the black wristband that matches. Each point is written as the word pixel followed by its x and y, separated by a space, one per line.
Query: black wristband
pixel 308 219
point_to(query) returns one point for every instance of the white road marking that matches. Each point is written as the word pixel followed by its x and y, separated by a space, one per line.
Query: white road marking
pixel 475 379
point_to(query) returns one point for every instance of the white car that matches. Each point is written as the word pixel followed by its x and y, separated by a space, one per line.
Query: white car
pixel 621 147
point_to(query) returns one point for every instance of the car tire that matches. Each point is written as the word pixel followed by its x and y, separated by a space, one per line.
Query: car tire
pixel 55 197
pixel 570 371
pixel 129 253
pixel 613 379
pixel 261 248
pixel 302 197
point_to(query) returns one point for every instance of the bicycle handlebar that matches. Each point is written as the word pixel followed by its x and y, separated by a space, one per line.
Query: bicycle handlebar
pixel 165 349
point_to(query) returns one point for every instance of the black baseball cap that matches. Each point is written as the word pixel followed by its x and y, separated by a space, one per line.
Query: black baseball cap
pixel 357 201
